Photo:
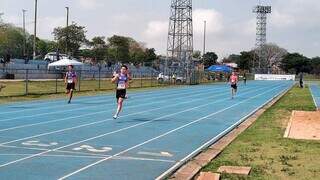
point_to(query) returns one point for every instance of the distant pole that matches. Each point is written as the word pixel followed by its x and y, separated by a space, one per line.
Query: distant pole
pixel 1 21
pixel 35 29
pixel 67 38
pixel 1 14
pixel 204 37
pixel 24 32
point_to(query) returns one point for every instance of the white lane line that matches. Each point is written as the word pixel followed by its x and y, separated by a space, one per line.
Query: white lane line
pixel 160 136
pixel 94 157
pixel 159 154
pixel 49 155
pixel 83 154
pixel 119 130
pixel 27 148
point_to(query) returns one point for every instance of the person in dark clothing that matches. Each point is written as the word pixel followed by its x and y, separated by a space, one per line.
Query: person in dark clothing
pixel 301 80
pixel 245 79
pixel 70 81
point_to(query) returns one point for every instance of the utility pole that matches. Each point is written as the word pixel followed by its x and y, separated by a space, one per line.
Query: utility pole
pixel 24 33
pixel 67 38
pixel 35 29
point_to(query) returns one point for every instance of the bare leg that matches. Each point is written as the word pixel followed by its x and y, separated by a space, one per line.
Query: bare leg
pixel 120 103
pixel 70 96
pixel 232 93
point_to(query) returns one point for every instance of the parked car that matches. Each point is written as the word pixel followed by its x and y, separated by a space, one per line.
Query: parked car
pixel 52 56
pixel 166 78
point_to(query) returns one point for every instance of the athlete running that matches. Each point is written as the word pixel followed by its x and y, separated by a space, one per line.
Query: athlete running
pixel 70 80
pixel 233 82
pixel 122 82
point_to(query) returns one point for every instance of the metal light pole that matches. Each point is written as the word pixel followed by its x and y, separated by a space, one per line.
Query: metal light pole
pixel 67 8
pixel 24 32
pixel 35 29
pixel 204 37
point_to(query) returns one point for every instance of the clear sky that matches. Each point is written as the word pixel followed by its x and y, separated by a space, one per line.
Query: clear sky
pixel 293 24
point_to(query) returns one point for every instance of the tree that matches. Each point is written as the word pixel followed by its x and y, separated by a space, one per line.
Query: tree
pixel 296 63
pixel 233 58
pixel 119 48
pixel 73 35
pixel 150 56
pixel 44 47
pixel 196 54
pixel 245 60
pixel 315 64
pixel 209 59
pixel 99 48
pixel 137 52
pixel 86 53
pixel 98 42
pixel 11 41
pixel 274 54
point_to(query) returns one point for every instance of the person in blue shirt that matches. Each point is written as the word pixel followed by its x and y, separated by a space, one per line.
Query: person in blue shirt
pixel 70 80
pixel 122 83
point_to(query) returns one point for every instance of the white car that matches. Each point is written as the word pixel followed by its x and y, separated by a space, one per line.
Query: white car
pixel 165 78
pixel 52 56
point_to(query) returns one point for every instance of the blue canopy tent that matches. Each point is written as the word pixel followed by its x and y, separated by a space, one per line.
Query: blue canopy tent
pixel 220 68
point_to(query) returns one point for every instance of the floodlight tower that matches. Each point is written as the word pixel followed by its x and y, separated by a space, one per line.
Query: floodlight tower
pixel 180 34
pixel 261 34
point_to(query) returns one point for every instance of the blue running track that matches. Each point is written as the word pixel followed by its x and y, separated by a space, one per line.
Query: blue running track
pixel 157 131
pixel 315 91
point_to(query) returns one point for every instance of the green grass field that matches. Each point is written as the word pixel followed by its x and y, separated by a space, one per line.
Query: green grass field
pixel 263 147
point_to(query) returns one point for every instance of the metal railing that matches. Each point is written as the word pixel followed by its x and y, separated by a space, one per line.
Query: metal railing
pixel 21 82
